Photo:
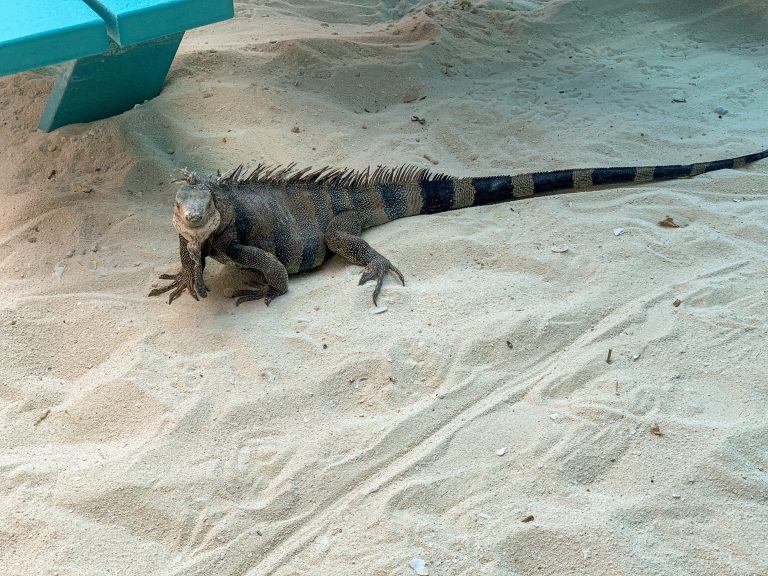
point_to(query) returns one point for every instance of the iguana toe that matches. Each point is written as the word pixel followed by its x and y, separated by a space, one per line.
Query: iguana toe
pixel 377 269
pixel 181 281
pixel 257 293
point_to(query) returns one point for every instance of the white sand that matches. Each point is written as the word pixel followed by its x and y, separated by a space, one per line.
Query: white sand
pixel 312 437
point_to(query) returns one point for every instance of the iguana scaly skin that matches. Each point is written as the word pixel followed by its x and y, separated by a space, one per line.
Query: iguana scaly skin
pixel 279 220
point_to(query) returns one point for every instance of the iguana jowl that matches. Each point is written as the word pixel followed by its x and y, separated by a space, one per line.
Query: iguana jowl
pixel 279 220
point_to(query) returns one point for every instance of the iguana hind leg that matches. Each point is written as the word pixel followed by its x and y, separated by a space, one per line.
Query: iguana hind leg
pixel 343 238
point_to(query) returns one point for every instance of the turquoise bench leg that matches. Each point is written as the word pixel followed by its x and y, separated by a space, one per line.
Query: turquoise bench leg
pixel 100 86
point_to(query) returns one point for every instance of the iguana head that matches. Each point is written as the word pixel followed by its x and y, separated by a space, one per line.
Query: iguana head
pixel 195 215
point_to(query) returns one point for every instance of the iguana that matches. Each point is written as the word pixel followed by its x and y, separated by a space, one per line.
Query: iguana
pixel 280 220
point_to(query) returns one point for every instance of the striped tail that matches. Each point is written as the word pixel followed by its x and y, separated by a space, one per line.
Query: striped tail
pixel 443 194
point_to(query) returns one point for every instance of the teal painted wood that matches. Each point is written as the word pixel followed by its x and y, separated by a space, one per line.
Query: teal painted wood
pixel 103 81
pixel 131 21
pixel 35 33
pixel 110 83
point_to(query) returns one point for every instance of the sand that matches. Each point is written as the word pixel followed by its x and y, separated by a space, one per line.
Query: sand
pixel 314 437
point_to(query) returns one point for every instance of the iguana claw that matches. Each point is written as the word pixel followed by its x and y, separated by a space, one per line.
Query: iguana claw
pixel 377 268
pixel 181 281
pixel 259 291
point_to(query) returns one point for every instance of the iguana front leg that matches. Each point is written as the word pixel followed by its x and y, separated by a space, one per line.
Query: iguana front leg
pixel 190 277
pixel 343 238
pixel 252 258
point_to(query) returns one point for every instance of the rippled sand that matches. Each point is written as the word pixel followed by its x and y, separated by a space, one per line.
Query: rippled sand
pixel 312 437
